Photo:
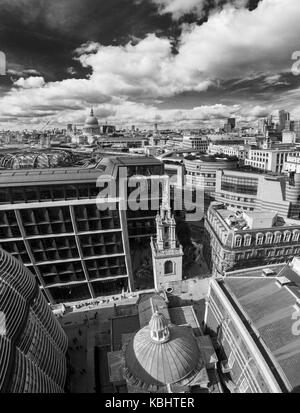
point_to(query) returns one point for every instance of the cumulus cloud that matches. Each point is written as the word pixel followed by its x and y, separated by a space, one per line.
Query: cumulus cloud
pixel 178 8
pixel 32 82
pixel 234 43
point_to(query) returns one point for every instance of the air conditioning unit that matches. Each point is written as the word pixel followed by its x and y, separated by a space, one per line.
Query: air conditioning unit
pixel 267 272
pixel 282 281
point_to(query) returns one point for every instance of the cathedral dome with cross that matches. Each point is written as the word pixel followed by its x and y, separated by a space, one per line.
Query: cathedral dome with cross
pixel 91 126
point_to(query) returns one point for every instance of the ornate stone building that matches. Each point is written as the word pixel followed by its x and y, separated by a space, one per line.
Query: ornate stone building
pixel 236 239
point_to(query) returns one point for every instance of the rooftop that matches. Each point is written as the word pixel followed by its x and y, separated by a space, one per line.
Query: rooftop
pixel 245 221
pixel 44 176
pixel 212 158
pixel 270 307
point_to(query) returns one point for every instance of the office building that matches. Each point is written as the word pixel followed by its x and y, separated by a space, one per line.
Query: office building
pixel 198 143
pixel 269 160
pixel 32 342
pixel 252 191
pixel 284 117
pixel 50 221
pixel 201 172
pixel 238 151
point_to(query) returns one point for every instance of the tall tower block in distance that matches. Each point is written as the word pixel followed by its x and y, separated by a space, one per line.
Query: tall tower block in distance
pixel 167 254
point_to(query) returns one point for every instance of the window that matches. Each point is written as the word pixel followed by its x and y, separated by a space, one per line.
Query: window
pixel 231 360
pixel 247 240
pixel 238 241
pixel 259 239
pixel 296 236
pixel 269 238
pixel 244 386
pixel 277 239
pixel 287 236
pixel 169 268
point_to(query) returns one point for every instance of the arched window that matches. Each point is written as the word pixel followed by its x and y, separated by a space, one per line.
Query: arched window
pixel 169 267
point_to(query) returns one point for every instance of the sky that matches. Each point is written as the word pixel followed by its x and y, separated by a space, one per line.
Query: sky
pixel 178 63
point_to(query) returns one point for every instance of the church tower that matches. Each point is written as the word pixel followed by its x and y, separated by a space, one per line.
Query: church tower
pixel 167 254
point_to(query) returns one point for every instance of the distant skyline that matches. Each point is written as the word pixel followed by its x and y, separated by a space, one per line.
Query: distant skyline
pixel 180 63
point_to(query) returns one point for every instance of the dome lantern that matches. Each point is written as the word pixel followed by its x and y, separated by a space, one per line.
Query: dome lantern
pixel 159 330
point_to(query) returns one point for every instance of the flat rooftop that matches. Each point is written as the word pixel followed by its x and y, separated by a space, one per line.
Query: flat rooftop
pixel 43 176
pixel 245 221
pixel 269 309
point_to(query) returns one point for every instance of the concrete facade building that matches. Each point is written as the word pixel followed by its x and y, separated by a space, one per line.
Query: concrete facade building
pixel 201 172
pixel 197 142
pixel 269 160
pixel 238 151
pixel 250 191
pixel 50 221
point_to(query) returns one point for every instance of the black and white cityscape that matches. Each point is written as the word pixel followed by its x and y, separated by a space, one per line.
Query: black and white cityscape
pixel 149 198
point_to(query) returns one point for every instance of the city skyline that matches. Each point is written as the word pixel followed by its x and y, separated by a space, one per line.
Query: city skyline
pixel 146 61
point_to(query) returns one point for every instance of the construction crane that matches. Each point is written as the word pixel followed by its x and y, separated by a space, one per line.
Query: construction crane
pixel 46 124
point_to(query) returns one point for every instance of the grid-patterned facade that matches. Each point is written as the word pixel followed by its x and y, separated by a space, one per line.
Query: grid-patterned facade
pixel 50 221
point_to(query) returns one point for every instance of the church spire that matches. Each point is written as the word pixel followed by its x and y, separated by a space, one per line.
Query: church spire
pixel 166 253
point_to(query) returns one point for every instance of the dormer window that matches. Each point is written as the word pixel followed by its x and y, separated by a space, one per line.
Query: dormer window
pixel 287 236
pixel 247 240
pixel 296 235
pixel 277 238
pixel 269 238
pixel 238 241
pixel 259 239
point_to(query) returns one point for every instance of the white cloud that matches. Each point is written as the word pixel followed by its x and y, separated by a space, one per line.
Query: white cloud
pixel 233 44
pixel 32 82
pixel 178 8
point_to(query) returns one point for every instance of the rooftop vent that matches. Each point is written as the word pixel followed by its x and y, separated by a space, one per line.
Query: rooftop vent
pixel 282 281
pixel 267 272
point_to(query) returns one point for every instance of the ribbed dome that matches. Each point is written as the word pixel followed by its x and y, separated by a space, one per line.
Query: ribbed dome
pixel 33 346
pixel 160 363
pixel 92 120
